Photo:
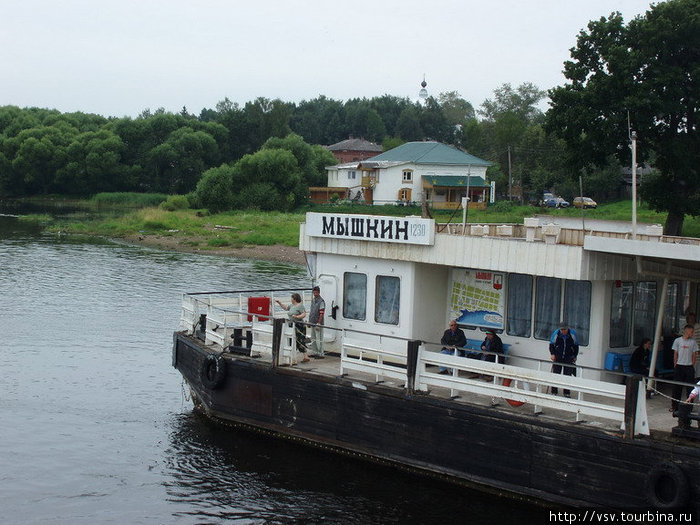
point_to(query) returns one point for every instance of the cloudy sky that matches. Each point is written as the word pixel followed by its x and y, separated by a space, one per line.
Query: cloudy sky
pixel 119 57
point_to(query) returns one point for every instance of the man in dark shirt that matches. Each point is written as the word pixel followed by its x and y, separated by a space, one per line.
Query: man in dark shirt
pixel 453 338
pixel 563 350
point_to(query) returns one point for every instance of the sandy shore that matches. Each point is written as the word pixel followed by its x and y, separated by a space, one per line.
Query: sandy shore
pixel 277 252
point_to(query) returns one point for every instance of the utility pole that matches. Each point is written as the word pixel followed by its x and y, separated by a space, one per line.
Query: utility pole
pixel 633 136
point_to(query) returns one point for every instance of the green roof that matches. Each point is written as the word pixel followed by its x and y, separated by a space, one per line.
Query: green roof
pixel 456 181
pixel 431 153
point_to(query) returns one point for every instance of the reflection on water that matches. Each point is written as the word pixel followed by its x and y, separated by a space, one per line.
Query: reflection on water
pixel 96 427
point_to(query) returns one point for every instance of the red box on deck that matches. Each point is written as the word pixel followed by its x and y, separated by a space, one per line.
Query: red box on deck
pixel 258 306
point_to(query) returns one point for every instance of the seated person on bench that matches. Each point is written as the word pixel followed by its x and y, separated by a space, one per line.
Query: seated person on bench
pixel 492 343
pixel 453 338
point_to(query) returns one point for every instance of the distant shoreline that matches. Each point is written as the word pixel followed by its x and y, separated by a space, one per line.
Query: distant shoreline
pixel 277 252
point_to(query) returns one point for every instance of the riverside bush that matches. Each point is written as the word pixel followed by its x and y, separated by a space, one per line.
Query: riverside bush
pixel 175 202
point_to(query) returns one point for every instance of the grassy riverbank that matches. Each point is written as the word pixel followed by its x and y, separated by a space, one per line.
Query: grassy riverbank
pixel 197 230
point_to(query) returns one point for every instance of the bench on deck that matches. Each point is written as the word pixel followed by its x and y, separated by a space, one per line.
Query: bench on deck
pixel 473 348
pixel 620 362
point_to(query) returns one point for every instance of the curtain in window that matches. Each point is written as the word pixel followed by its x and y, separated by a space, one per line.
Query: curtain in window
pixel 519 310
pixel 355 296
pixel 547 306
pixel 577 308
pixel 387 299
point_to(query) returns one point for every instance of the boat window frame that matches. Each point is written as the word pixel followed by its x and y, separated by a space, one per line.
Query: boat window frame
pixel 582 332
pixel 519 288
pixel 637 330
pixel 346 295
pixel 377 309
pixel 544 327
pixel 625 306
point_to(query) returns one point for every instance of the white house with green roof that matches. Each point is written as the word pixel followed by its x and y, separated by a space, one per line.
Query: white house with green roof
pixel 439 173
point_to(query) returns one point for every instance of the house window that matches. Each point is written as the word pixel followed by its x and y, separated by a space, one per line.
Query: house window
pixel 407 176
pixel 621 314
pixel 519 311
pixel 355 296
pixel 405 194
pixel 352 175
pixel 387 299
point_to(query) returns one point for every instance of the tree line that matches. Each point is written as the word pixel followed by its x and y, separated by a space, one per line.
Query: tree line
pixel 44 151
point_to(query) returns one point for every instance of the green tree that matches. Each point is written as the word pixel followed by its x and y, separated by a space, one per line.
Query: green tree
pixel 93 164
pixel 646 71
pixel 458 113
pixel 408 125
pixel 311 160
pixel 276 171
pixel 215 189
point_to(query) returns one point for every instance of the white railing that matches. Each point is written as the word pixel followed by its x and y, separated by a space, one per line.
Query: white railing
pixel 590 397
pixel 228 312
pixel 386 357
pixel 374 360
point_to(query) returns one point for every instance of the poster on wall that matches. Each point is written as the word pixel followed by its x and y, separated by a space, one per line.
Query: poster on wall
pixel 477 298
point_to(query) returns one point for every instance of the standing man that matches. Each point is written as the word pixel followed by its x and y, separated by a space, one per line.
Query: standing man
pixel 316 312
pixel 691 319
pixel 684 354
pixel 563 350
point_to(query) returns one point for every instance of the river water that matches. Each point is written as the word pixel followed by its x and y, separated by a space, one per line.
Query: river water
pixel 95 425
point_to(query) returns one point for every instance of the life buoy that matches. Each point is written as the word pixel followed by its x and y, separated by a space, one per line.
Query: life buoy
pixel 512 402
pixel 667 486
pixel 213 371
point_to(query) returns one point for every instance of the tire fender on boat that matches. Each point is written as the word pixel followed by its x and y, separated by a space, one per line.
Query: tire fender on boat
pixel 667 486
pixel 213 371
pixel 512 402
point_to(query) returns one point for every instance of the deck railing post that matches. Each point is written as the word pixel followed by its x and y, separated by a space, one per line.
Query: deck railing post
pixel 631 394
pixel 412 365
pixel 277 327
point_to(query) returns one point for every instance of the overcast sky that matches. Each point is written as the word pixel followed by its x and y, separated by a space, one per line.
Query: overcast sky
pixel 119 57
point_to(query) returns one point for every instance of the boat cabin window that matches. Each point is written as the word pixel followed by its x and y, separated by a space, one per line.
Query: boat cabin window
pixel 677 301
pixel 547 306
pixel 355 296
pixel 577 308
pixel 644 311
pixel 387 299
pixel 621 314
pixel 519 311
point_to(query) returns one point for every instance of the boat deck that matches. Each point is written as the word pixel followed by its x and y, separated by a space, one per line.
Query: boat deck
pixel 661 421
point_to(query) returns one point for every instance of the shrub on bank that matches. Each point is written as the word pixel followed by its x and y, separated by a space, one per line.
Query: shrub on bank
pixel 175 202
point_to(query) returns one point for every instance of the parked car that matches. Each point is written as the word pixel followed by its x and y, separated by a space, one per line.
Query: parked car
pixel 585 202
pixel 556 202
pixel 545 197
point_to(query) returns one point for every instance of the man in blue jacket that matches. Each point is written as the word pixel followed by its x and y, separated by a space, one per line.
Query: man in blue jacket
pixel 563 350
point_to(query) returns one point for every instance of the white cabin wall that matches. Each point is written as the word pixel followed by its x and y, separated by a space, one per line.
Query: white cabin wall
pixel 593 355
pixel 429 316
pixel 337 265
